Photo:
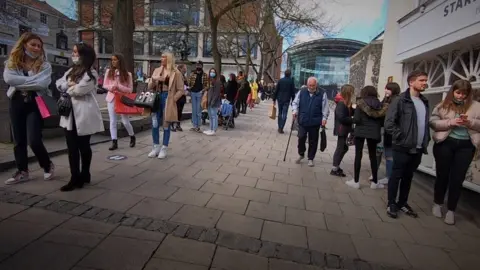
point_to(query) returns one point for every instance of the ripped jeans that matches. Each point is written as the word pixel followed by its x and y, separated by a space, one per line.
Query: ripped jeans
pixel 157 122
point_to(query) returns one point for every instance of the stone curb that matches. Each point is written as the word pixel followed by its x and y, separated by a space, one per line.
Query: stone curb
pixel 221 238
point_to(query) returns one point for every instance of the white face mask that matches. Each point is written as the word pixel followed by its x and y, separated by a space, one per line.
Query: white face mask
pixel 75 60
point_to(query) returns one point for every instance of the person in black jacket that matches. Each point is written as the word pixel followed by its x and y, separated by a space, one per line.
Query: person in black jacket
pixel 284 94
pixel 392 90
pixel 342 127
pixel 407 121
pixel 231 94
pixel 244 90
pixel 368 115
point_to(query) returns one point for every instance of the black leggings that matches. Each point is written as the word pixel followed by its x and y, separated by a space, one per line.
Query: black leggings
pixel 78 150
pixel 180 104
pixel 372 154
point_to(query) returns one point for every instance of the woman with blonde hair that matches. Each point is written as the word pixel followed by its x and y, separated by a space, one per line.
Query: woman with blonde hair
pixel 167 81
pixel 28 75
pixel 343 126
pixel 118 80
pixel 456 125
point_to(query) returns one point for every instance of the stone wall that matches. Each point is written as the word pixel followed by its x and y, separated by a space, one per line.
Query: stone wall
pixel 365 66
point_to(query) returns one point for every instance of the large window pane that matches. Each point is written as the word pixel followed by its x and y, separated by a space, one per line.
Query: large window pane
pixel 172 41
pixel 230 46
pixel 175 12
pixel 105 39
pixel 138 43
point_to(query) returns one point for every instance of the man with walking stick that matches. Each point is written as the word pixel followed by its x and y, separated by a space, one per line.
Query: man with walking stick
pixel 310 109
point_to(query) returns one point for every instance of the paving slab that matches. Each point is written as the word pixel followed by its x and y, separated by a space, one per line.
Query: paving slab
pixel 240 224
pixel 185 250
pixel 236 260
pixel 284 234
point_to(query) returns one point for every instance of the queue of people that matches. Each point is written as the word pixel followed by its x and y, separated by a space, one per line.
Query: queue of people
pixel 405 122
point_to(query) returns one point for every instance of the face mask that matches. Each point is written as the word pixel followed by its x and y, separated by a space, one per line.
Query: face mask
pixel 212 75
pixel 75 60
pixel 31 55
pixel 458 102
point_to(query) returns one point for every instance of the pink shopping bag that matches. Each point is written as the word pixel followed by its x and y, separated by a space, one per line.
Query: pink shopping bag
pixel 47 106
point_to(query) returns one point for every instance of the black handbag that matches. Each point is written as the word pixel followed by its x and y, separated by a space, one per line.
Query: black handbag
pixel 127 101
pixel 64 104
pixel 323 140
pixel 148 99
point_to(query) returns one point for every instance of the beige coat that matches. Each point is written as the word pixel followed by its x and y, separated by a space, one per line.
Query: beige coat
pixel 175 92
pixel 440 123
pixel 88 118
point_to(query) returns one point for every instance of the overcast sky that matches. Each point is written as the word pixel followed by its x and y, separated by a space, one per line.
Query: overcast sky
pixel 357 19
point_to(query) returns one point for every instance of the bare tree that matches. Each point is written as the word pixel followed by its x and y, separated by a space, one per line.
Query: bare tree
pixel 269 25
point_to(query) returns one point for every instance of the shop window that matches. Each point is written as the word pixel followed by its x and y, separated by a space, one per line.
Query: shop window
pixel 62 41
pixel 172 41
pixel 175 12
pixel 105 40
pixel 138 43
pixel 23 29
pixel 43 18
pixel 24 12
pixel 3 50
pixel 462 70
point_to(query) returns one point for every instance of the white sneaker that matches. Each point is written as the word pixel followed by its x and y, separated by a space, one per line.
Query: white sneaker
pixel 17 177
pixel 450 218
pixel 352 184
pixel 49 175
pixel 163 152
pixel 211 133
pixel 207 132
pixel 376 186
pixel 437 210
pixel 370 178
pixel 299 159
pixel 310 163
pixel 155 151
pixel 383 181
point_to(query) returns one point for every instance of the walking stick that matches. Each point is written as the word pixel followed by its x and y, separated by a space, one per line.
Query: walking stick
pixel 289 136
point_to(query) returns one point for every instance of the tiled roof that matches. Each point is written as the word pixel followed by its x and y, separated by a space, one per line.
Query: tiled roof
pixel 43 6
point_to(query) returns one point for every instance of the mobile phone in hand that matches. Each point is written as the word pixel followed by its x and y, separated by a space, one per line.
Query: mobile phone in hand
pixel 463 116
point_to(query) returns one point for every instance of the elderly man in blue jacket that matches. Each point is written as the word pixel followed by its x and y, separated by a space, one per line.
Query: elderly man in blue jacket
pixel 284 94
pixel 310 108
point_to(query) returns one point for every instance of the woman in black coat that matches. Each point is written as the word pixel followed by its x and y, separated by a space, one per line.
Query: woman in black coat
pixel 231 93
pixel 368 123
pixel 342 127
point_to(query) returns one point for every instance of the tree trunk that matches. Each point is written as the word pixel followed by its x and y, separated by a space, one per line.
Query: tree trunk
pixel 217 57
pixel 123 27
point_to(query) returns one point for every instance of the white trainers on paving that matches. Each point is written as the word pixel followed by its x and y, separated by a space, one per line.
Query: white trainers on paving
pixel 310 163
pixel 450 218
pixel 370 178
pixel 376 186
pixel 352 184
pixel 383 181
pixel 17 177
pixel 437 210
pixel 49 175
pixel 155 151
pixel 207 132
pixel 163 152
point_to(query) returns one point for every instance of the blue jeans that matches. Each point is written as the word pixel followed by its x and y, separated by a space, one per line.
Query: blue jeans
pixel 282 113
pixel 213 115
pixel 196 108
pixel 157 122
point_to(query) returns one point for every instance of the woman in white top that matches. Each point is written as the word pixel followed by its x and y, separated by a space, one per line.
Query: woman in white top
pixel 79 84
pixel 118 80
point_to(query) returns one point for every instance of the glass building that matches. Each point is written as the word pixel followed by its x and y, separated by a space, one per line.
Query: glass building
pixel 327 59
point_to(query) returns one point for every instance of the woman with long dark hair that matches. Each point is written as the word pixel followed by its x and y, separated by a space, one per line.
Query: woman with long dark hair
pixel 28 75
pixel 118 80
pixel 79 85
pixel 214 101
pixel 343 126
pixel 368 122
pixel 456 125
pixel 232 94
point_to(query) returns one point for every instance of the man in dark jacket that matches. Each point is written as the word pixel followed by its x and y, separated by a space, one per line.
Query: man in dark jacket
pixel 198 83
pixel 407 122
pixel 284 94
pixel 310 106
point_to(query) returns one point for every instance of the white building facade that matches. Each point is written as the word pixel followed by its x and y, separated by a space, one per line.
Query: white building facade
pixel 440 37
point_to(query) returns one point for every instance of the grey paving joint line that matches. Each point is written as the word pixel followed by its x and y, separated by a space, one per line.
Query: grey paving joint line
pixel 229 240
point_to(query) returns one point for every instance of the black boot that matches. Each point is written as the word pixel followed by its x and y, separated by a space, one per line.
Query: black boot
pixel 114 145
pixel 72 184
pixel 179 128
pixel 133 141
pixel 172 128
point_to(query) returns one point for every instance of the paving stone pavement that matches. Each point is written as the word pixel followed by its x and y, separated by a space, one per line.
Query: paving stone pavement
pixel 223 202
